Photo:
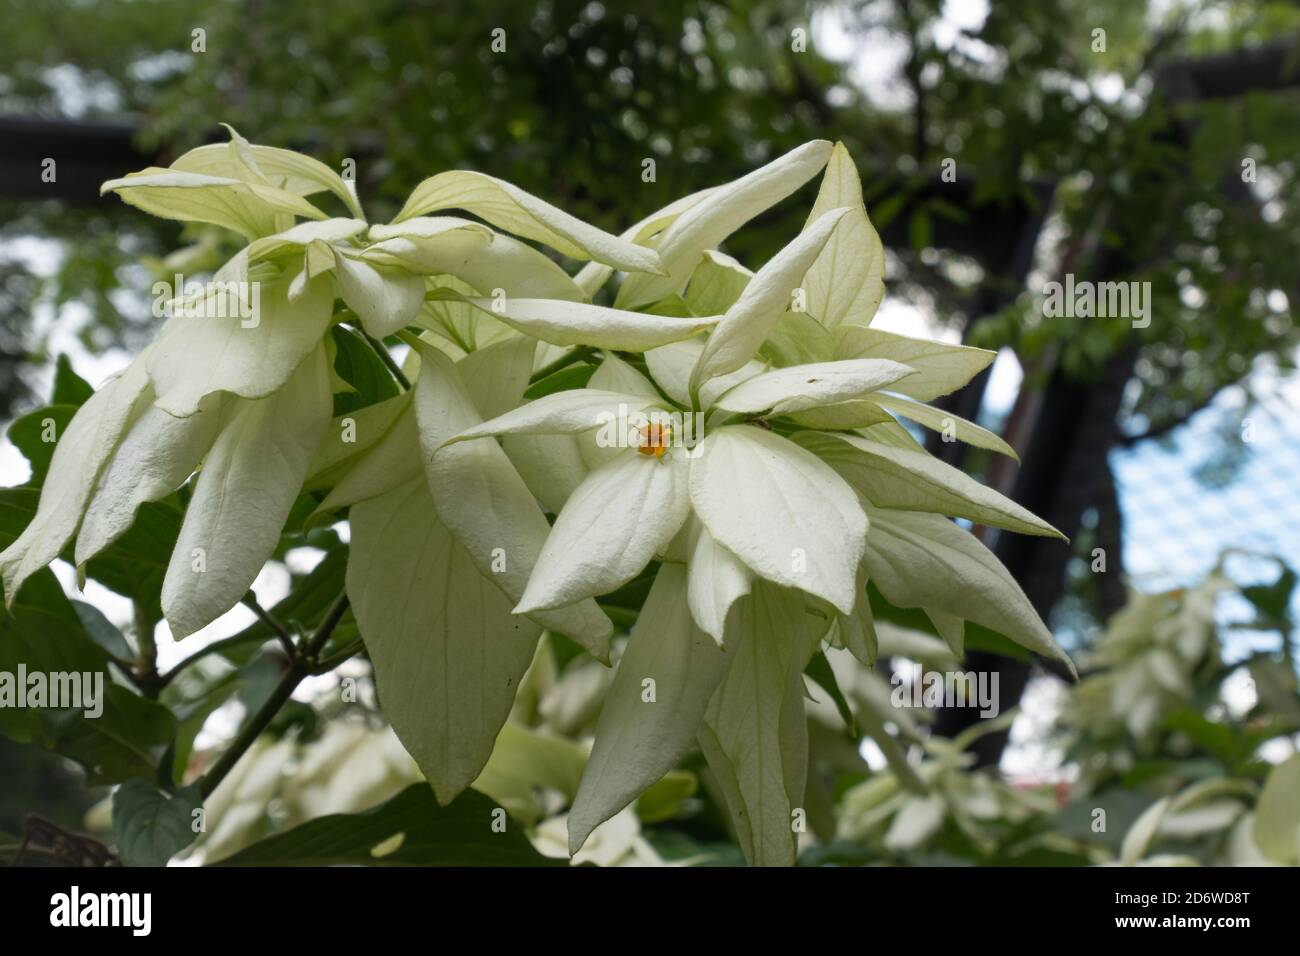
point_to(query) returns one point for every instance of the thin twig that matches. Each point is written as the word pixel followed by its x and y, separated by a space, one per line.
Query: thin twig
pixel 301 665
pixel 263 615
pixel 214 648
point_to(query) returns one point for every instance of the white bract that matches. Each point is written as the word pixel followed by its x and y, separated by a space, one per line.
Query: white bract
pixel 763 468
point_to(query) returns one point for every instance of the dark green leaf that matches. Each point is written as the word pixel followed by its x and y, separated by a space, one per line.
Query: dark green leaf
pixel 408 830
pixel 819 669
pixel 135 564
pixel 31 433
pixel 151 826
pixel 359 366
pixel 69 387
pixel 43 632
pixel 575 376
pixel 102 631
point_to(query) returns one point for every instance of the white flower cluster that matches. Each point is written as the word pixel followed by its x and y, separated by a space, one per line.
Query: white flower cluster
pixel 803 487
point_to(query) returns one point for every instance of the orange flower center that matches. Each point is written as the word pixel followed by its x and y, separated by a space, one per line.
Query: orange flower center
pixel 655 439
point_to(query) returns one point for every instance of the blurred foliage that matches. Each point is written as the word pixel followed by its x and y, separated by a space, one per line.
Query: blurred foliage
pixel 585 91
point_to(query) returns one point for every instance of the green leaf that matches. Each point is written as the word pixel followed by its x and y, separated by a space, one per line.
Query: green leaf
pixel 29 432
pixel 798 339
pixel 716 284
pixel 151 826
pixel 190 719
pixel 667 798
pixel 136 563
pixel 819 669
pixel 528 765
pixel 42 632
pixel 102 631
pixel 408 830
pixel 1273 600
pixel 572 377
pixel 69 387
pixel 359 366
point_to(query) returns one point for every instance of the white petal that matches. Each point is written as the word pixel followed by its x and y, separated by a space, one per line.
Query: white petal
pixel 551 465
pixel 576 323
pixel 595 274
pixel 637 742
pixel 671 366
pixel 79 456
pixel 938 367
pixel 718 579
pixel 610 529
pixel 711 220
pixel 486 260
pixel 615 375
pixel 385 299
pixel 780 510
pixel 294 172
pixel 759 308
pixel 157 455
pixel 568 412
pixel 924 560
pixel 1277 817
pixel 303 234
pixel 247 208
pixel 392 461
pixel 944 421
pixel 510 208
pixel 716 284
pixel 195 356
pixel 496 376
pixel 798 387
pixel 485 503
pixel 248 483
pixel 349 437
pixel 910 480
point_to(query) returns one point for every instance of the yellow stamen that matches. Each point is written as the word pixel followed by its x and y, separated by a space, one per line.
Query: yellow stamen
pixel 655 439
